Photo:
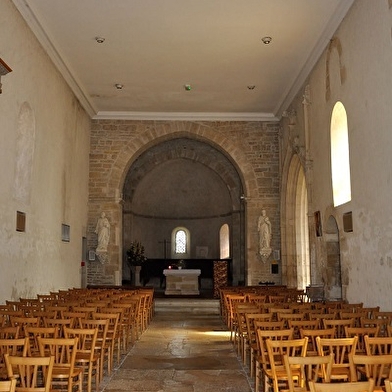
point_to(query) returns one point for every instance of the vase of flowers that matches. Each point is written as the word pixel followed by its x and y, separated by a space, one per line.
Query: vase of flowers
pixel 135 258
pixel 181 264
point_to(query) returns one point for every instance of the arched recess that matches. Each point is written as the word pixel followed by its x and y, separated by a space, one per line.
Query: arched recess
pixel 106 192
pixel 332 275
pixel 189 183
pixel 295 233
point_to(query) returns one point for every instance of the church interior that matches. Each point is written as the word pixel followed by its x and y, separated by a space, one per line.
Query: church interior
pixel 287 183
pixel 178 175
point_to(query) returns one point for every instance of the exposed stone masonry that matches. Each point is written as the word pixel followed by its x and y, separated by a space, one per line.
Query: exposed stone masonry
pixel 115 144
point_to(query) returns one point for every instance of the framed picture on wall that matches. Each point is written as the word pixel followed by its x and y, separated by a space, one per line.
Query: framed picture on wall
pixel 317 224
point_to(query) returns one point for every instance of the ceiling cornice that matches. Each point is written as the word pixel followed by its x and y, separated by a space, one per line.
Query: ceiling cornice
pixel 184 116
pixel 54 55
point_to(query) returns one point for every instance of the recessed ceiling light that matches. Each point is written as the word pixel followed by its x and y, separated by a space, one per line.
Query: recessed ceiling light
pixel 266 40
pixel 100 40
pixel 119 86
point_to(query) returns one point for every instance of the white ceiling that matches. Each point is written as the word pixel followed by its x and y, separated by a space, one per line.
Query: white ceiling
pixel 155 47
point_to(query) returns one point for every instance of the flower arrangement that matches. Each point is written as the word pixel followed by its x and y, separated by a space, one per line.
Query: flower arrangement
pixel 181 264
pixel 135 254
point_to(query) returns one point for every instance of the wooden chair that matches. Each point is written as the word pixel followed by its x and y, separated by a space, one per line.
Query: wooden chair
pixel 312 335
pixel 59 324
pixel 33 333
pixel 362 386
pixel 65 374
pixel 102 345
pixel 231 301
pixel 303 324
pixel 361 333
pixel 262 366
pixel 276 349
pixel 378 345
pixel 9 332
pixel 341 348
pixel 21 322
pixel 388 385
pixel 376 367
pixel 112 337
pixel 86 357
pixel 76 316
pixel 251 340
pixel 382 323
pixel 14 347
pixel 302 370
pixel 338 326
pixel 31 374
pixel 240 333
pixel 8 386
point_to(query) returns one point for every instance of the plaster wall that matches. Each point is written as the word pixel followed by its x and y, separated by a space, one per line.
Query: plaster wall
pixel 356 70
pixel 45 137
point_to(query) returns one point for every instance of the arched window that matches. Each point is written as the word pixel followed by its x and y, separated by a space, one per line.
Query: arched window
pixel 180 243
pixel 340 156
pixel 224 241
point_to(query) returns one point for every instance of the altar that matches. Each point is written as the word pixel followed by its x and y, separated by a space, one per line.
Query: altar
pixel 182 281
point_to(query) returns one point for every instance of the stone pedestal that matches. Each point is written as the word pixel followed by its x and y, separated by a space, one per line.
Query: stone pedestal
pixel 182 282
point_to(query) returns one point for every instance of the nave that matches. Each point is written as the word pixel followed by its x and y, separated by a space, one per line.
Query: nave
pixel 184 349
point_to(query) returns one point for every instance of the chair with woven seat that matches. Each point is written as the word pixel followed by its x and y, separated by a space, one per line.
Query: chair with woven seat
pixel 302 370
pixel 359 386
pixel 65 375
pixel 86 357
pixel 31 374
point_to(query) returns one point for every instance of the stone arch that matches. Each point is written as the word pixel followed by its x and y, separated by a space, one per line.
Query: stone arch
pixel 292 171
pixel 106 184
pixel 160 133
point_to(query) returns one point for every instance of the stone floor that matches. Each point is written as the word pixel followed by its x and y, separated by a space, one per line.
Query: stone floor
pixel 181 352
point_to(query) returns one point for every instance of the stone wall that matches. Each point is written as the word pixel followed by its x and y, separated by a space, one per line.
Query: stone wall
pixel 253 147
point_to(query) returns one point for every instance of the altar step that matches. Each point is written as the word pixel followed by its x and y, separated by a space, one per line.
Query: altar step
pixel 187 305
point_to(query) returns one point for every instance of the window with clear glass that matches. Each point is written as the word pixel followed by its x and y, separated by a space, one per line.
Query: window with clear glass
pixel 180 242
pixel 340 156
pixel 224 240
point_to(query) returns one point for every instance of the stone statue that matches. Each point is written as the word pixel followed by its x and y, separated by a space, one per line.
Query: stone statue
pixel 265 234
pixel 103 231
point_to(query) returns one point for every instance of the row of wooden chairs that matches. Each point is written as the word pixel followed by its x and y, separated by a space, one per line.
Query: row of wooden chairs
pixel 317 323
pixel 99 326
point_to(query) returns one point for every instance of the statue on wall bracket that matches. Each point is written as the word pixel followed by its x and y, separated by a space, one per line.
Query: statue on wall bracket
pixel 103 232
pixel 265 235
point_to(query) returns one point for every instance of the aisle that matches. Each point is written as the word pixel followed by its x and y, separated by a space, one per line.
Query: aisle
pixel 181 352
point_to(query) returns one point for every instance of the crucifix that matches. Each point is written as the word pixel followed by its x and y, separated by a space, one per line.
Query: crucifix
pixel 165 243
